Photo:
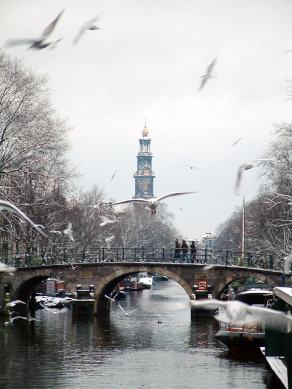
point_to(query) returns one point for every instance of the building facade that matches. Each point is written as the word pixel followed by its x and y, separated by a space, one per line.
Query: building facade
pixel 144 174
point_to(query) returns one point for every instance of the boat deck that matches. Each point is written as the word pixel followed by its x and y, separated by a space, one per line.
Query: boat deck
pixel 279 367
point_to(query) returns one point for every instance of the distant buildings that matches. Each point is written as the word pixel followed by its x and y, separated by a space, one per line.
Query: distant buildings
pixel 144 174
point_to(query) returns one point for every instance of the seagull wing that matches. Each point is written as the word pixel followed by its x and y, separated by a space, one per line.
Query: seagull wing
pixel 79 35
pixel 122 309
pixel 131 201
pixel 6 206
pixel 208 304
pixel 173 194
pixel 273 319
pixel 203 82
pixel 48 30
pixel 6 269
pixel 287 263
pixel 17 42
pixel 211 66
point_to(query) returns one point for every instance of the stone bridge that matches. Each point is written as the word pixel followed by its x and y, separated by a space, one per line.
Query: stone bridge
pixel 104 276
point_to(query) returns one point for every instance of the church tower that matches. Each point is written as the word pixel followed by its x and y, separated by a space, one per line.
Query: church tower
pixel 144 175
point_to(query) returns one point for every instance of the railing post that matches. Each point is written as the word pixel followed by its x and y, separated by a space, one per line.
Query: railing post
pixel 103 256
pixel 153 254
pixel 117 255
pixel 163 254
pixel 123 254
pixel 143 254
pixel 226 257
pixel 271 261
pixel 135 254
pixel 206 255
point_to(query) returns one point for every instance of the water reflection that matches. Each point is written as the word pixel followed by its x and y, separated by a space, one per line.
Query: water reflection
pixel 156 346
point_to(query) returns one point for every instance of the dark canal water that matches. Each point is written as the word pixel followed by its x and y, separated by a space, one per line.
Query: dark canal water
pixel 156 346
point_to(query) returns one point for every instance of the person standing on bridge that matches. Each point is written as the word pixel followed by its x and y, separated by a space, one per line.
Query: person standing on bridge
pixel 193 251
pixel 177 250
pixel 185 249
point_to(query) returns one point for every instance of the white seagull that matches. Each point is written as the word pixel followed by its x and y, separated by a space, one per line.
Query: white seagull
pixel 106 220
pixel 69 232
pixel 6 268
pixel 240 313
pixel 208 74
pixel 41 42
pixel 90 25
pixel 246 166
pixel 7 206
pixel 287 263
pixel 152 203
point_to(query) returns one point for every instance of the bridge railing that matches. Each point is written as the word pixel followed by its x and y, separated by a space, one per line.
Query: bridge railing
pixel 142 254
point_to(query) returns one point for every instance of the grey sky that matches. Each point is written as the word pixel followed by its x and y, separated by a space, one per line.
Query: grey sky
pixel 147 60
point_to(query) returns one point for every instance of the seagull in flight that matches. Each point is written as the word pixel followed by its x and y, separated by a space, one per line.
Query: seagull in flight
pixel 7 206
pixel 113 175
pixel 246 166
pixel 6 268
pixel 106 220
pixel 240 313
pixel 69 232
pixel 287 263
pixel 89 25
pixel 152 203
pixel 207 75
pixel 237 141
pixel 41 42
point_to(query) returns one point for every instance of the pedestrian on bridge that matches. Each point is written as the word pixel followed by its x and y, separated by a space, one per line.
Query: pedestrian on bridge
pixel 177 250
pixel 185 249
pixel 193 251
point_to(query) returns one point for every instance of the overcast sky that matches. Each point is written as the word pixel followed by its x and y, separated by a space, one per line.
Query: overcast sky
pixel 146 61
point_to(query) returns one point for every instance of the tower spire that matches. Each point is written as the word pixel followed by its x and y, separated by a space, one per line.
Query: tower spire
pixel 144 175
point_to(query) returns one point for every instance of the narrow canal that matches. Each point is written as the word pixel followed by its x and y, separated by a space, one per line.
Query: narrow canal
pixel 156 346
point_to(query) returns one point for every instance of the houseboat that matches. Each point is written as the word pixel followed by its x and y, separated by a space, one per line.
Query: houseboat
pixel 247 336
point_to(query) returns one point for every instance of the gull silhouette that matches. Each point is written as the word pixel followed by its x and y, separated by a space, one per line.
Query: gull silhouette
pixel 240 313
pixel 152 203
pixel 207 75
pixel 41 42
pixel 246 166
pixel 7 206
pixel 90 25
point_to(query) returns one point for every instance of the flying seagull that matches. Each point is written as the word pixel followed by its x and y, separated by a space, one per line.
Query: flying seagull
pixel 287 263
pixel 106 220
pixel 240 313
pixel 41 42
pixel 152 203
pixel 69 232
pixel 237 141
pixel 207 75
pixel 7 206
pixel 90 25
pixel 246 166
pixel 6 268
pixel 113 175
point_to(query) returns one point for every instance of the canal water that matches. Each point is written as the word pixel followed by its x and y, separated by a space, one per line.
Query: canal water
pixel 155 346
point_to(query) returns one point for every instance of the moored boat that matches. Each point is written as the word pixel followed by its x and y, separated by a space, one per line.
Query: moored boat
pixel 247 336
pixel 84 303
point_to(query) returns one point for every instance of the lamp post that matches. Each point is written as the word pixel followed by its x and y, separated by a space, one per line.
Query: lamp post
pixel 243 230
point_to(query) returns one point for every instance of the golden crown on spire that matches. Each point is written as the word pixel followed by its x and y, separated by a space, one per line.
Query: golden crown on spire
pixel 145 131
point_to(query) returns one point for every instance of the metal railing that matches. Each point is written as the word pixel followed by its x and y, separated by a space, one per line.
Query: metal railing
pixel 142 254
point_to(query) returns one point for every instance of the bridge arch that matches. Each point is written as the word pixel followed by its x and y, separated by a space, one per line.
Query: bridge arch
pixel 112 279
